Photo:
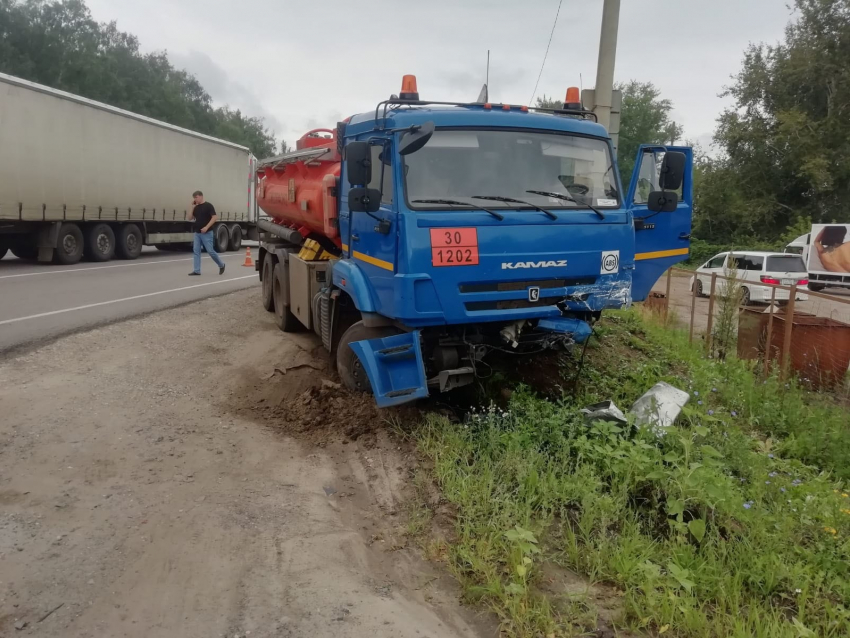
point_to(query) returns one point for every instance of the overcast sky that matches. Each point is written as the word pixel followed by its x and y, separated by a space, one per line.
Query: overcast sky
pixel 304 65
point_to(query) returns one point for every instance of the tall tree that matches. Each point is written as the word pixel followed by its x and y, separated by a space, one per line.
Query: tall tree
pixel 251 131
pixel 644 119
pixel 546 102
pixel 59 44
pixel 787 139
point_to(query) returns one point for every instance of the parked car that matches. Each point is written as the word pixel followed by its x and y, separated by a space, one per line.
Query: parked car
pixel 755 268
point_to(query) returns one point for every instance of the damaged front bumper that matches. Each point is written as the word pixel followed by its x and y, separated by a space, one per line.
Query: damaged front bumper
pixel 396 366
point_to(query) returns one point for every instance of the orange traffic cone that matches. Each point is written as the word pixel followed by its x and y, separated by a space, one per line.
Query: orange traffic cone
pixel 248 260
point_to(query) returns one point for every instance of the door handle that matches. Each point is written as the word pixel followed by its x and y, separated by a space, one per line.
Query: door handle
pixel 684 235
pixel 355 238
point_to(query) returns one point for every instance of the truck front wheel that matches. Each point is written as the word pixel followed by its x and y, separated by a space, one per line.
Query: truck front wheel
pixel 284 318
pixel 100 243
pixel 69 245
pixel 351 371
pixel 129 245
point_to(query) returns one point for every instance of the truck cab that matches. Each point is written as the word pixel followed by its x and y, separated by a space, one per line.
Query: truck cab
pixel 468 228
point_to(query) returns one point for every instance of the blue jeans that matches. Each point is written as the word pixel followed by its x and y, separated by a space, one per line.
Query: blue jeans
pixel 205 239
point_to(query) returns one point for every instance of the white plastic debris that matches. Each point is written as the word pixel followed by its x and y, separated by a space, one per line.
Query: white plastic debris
pixel 659 406
pixel 604 411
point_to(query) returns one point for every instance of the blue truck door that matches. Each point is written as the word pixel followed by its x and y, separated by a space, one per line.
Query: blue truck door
pixel 661 239
pixel 375 249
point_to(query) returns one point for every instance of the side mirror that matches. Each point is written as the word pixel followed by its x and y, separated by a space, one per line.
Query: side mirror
pixel 358 163
pixel 415 138
pixel 672 170
pixel 662 201
pixel 364 200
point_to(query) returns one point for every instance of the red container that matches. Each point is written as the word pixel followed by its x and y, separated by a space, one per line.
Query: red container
pixel 300 192
pixel 820 348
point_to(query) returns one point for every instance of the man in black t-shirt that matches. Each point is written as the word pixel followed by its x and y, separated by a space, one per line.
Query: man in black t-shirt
pixel 203 214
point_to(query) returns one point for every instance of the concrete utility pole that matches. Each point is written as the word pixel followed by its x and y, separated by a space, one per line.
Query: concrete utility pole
pixel 605 67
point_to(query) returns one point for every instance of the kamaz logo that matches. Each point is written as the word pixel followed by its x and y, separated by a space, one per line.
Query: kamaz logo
pixel 507 265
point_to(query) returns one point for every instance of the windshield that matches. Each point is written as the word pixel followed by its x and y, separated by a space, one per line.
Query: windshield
pixel 457 164
pixel 785 263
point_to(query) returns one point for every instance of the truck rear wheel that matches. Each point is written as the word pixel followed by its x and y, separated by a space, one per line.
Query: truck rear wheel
pixel 235 237
pixel 221 238
pixel 100 243
pixel 69 246
pixel 284 318
pixel 130 242
pixel 268 283
pixel 351 371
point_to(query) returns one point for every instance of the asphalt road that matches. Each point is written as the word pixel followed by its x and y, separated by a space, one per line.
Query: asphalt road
pixel 41 301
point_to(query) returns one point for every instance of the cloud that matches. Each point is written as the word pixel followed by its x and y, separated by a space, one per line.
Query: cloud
pixel 297 63
pixel 222 88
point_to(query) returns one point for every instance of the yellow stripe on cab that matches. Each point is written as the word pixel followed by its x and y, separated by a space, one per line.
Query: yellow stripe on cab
pixel 658 254
pixel 380 263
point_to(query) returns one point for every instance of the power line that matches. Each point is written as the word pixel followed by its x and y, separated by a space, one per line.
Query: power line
pixel 545 55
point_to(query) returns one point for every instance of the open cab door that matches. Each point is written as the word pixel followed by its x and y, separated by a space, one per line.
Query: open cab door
pixel 662 226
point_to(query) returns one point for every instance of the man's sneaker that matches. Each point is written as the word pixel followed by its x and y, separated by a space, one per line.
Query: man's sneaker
pixel 194 274
pixel 221 270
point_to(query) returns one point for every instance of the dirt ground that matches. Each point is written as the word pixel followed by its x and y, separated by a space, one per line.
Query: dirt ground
pixel 188 474
pixel 681 299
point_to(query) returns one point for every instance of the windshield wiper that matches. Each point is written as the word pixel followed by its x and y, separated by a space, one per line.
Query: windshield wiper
pixel 511 200
pixel 568 198
pixel 455 202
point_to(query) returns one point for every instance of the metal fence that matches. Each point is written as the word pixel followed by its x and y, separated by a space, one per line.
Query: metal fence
pixel 793 331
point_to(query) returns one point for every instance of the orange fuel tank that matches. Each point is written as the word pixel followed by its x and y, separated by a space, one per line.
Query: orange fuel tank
pixel 298 189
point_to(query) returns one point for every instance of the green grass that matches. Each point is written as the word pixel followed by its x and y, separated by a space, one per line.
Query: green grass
pixel 733 524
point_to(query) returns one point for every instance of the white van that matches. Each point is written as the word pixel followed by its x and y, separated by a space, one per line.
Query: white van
pixel 755 268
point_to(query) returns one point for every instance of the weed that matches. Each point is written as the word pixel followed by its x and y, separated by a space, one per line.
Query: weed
pixel 728 295
pixel 727 526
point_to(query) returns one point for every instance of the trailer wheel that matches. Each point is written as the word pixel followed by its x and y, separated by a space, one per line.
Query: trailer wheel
pixel 284 318
pixel 130 242
pixel 351 371
pixel 816 287
pixel 100 243
pixel 221 238
pixel 268 283
pixel 69 245
pixel 235 237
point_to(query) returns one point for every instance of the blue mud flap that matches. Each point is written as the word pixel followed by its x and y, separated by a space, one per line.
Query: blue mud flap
pixel 395 368
pixel 580 330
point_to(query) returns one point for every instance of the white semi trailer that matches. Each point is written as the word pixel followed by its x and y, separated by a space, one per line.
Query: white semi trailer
pixel 83 179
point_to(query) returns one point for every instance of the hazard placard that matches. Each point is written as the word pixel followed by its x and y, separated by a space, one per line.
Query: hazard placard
pixel 454 246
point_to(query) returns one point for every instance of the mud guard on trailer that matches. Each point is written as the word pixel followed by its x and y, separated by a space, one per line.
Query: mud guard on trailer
pixel 395 368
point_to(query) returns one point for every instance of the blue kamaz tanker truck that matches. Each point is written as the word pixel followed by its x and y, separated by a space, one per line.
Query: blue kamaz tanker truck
pixel 420 237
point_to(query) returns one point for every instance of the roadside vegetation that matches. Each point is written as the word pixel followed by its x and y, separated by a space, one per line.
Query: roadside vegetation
pixel 734 523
